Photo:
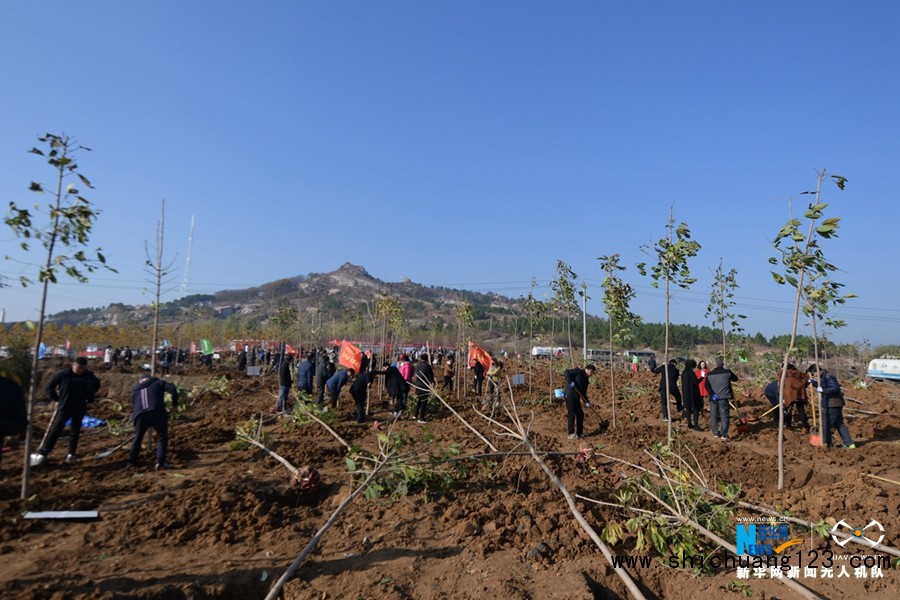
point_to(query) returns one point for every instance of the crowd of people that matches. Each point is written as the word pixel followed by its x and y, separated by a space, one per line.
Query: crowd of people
pixel 316 373
pixel 700 385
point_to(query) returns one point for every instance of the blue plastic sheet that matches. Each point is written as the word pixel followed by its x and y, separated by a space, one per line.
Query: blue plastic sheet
pixel 88 422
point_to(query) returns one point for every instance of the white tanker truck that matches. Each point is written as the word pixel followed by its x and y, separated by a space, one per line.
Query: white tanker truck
pixel 887 367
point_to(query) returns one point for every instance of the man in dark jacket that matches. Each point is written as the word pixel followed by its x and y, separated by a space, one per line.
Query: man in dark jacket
pixel 321 377
pixel 718 382
pixel 148 407
pixel 672 385
pixel 832 406
pixel 13 414
pixel 359 390
pixel 577 381
pixel 423 378
pixel 479 376
pixel 285 380
pixel 72 389
pixel 396 387
pixel 305 372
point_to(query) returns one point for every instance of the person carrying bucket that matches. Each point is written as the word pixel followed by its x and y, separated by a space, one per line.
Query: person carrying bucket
pixel 576 389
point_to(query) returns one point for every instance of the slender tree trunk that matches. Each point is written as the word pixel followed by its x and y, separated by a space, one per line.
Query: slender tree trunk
pixel 32 384
pixel 612 378
pixel 666 366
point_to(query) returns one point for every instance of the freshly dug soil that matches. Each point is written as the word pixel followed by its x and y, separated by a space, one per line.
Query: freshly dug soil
pixel 226 523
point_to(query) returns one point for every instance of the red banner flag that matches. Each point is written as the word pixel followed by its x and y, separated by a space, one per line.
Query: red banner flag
pixel 478 353
pixel 350 356
pixel 288 349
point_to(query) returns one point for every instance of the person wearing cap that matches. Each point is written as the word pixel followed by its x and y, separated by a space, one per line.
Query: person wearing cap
pixel 72 389
pixel 832 396
pixel 718 382
pixel 577 381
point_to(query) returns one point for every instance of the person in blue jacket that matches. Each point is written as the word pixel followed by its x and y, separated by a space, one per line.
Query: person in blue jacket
pixel 305 371
pixel 336 382
pixel 832 406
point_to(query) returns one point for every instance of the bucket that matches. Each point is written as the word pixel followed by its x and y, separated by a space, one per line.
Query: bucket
pixel 558 393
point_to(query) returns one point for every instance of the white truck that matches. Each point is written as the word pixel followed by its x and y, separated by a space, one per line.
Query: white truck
pixel 887 367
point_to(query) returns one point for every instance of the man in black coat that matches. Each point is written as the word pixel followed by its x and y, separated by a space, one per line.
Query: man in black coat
pixel 396 387
pixel 479 376
pixel 577 381
pixel 285 380
pixel 13 414
pixel 72 389
pixel 148 407
pixel 690 388
pixel 423 378
pixel 321 377
pixel 672 388
pixel 359 390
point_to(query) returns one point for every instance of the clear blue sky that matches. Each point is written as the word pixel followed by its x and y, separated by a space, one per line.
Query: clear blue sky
pixel 467 144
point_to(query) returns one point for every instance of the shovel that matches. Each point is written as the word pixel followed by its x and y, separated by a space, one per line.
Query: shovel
pixel 107 453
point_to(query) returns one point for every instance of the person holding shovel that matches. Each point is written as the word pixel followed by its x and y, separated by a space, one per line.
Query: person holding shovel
pixel 577 381
pixel 359 390
pixel 795 384
pixel 72 389
pixel 148 409
pixel 832 406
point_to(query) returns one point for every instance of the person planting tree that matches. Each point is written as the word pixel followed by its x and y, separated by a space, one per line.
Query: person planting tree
pixel 336 382
pixel 795 396
pixel 148 407
pixel 359 390
pixel 832 406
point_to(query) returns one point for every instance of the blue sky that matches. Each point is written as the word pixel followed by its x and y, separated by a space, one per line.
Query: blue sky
pixel 467 144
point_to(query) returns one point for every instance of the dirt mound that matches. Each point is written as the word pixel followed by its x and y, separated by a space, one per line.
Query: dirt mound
pixel 226 523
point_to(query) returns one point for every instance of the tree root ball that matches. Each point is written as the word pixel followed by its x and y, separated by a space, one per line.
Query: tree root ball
pixel 307 480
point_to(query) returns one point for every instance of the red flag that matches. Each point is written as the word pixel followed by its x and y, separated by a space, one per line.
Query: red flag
pixel 350 356
pixel 288 349
pixel 193 347
pixel 478 353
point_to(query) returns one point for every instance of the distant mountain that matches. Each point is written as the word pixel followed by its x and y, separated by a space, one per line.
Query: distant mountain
pixel 347 293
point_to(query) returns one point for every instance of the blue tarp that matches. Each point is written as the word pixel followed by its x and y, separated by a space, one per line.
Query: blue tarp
pixel 88 421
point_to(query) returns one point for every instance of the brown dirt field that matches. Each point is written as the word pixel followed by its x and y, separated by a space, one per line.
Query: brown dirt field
pixel 226 524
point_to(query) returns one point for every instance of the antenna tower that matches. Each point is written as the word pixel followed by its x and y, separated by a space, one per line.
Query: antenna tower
pixel 186 282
